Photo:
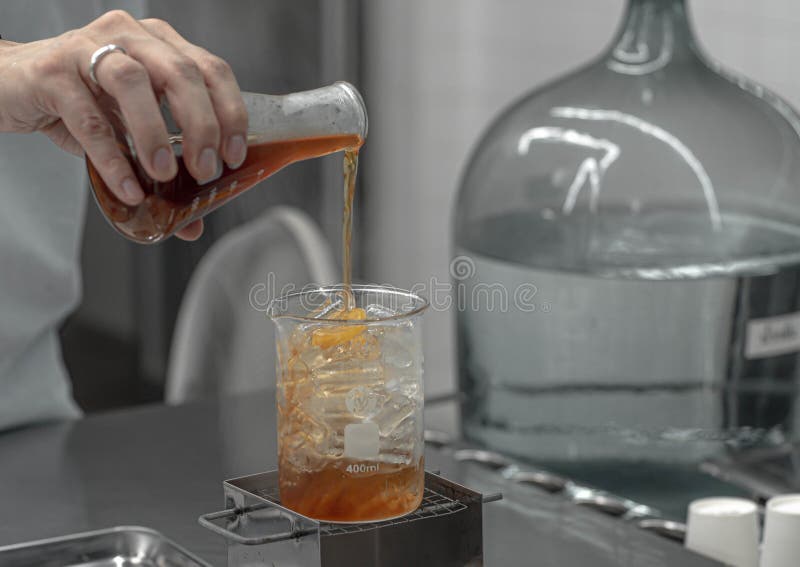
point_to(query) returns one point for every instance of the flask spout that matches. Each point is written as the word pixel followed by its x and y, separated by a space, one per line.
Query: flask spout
pixel 358 102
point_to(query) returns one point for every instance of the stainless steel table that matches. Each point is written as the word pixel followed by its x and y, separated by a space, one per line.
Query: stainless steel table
pixel 162 467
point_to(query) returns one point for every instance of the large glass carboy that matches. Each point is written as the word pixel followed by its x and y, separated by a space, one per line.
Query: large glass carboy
pixel 642 218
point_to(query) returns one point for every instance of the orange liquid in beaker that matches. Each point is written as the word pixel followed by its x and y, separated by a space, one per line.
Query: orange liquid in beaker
pixel 333 494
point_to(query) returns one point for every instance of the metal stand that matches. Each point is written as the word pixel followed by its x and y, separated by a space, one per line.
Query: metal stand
pixel 446 530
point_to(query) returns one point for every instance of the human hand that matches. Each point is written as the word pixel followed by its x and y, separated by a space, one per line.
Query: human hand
pixel 45 86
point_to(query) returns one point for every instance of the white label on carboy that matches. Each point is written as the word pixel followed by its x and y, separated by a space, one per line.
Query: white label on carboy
pixel 361 440
pixel 772 336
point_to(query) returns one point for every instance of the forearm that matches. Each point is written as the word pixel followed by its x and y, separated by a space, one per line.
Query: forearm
pixel 7 78
pixel 13 87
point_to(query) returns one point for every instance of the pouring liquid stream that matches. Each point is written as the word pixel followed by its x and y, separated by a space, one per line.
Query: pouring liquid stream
pixel 350 171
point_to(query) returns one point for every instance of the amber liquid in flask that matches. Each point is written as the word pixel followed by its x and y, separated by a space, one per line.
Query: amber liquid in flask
pixel 173 204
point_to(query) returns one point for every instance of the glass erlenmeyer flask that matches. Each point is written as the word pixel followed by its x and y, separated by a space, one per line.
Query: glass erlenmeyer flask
pixel 643 217
pixel 282 130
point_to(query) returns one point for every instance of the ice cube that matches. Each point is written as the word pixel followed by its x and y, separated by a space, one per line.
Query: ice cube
pixel 303 437
pixel 344 389
pixel 404 456
pixel 296 369
pixel 402 443
pixel 403 383
pixel 347 373
pixel 365 346
pixel 364 402
pixel 362 347
pixel 395 351
pixel 376 311
pixel 313 357
pixel 395 410
pixel 405 431
pixel 294 383
pixel 335 305
pixel 300 338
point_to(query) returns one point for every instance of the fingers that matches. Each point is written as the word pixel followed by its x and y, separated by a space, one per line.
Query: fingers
pixel 201 89
pixel 128 82
pixel 228 105
pixel 88 125
pixel 222 88
pixel 192 231
pixel 180 79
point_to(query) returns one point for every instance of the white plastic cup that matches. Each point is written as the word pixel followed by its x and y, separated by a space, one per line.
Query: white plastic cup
pixel 725 529
pixel 782 532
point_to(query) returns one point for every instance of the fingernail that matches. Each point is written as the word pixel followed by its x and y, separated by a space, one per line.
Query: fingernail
pixel 164 162
pixel 209 165
pixel 235 151
pixel 132 194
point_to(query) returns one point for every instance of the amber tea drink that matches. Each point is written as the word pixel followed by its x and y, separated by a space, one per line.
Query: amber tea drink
pixel 350 400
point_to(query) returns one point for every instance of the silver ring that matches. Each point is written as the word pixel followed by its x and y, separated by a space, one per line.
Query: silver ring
pixel 99 54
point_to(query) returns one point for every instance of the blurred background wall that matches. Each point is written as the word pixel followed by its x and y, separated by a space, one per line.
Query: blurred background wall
pixel 434 74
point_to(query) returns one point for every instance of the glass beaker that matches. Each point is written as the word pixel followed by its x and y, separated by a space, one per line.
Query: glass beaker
pixel 282 130
pixel 350 400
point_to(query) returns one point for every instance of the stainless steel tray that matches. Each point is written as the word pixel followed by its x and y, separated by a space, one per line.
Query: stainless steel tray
pixel 122 546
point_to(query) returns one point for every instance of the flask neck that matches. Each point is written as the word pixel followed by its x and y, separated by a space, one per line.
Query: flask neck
pixel 335 110
pixel 653 34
